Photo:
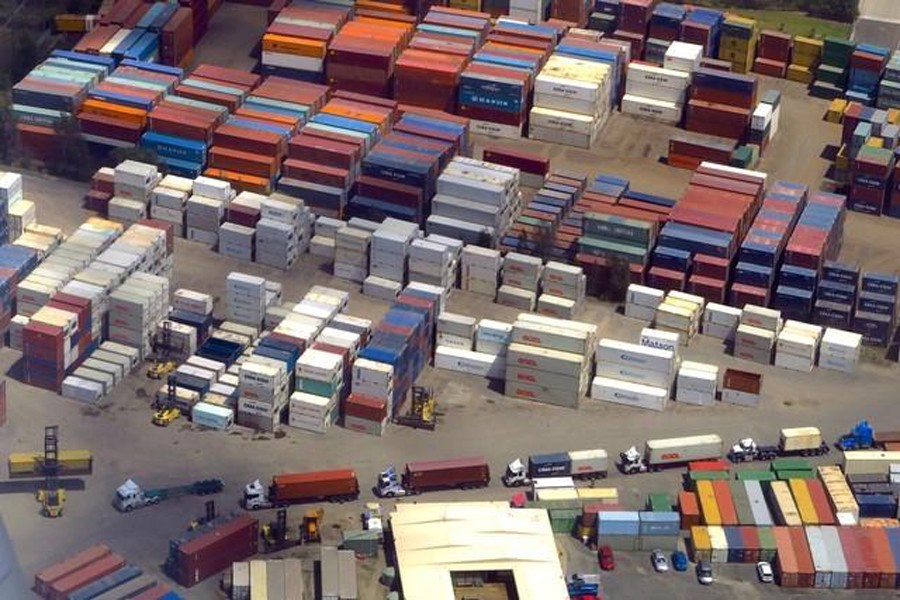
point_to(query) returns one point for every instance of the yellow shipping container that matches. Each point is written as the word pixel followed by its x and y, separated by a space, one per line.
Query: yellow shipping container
pixel 836 110
pixel 839 494
pixel 875 142
pixel 259 586
pixel 474 5
pixel 783 503
pixel 804 502
pixel 706 495
pixel 842 160
pixel 894 116
pixel 701 547
pixel 70 461
pixel 799 73
pixel 608 495
pixel 880 523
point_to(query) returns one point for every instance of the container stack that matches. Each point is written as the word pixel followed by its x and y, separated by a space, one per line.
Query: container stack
pixel 475 202
pixel 737 43
pixel 889 87
pixel 680 313
pixel 388 256
pixel 549 360
pixel 836 295
pixel 366 408
pixel 136 308
pixel 720 321
pixel 617 238
pixel 805 57
pixel 571 101
pixel 520 280
pixel 774 54
pixel 720 103
pixel 755 337
pixel 634 375
pixel 839 350
pixel 765 120
pixel 205 209
pixel 876 308
pixel 263 393
pixel 284 231
pixel 355 45
pixel 870 179
pixel 351 253
pixel 696 383
pixel 433 263
pixel 480 270
pixel 867 63
pixel 641 302
pixel 562 290
pixel 656 93
pixel 456 331
pixel 133 184
pixel 296 42
pixel 168 200
pixel 665 26
pixel 703 26
pixel 683 56
pixel 246 299
pixel 634 19
pixel 819 232
pixel 319 383
pixel 797 346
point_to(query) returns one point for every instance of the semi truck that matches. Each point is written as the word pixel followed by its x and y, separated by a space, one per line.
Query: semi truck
pixel 864 437
pixel 130 496
pixel 418 477
pixel 670 452
pixel 578 464
pixel 340 485
pixel 793 441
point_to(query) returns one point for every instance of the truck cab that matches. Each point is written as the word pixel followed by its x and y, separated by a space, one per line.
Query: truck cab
pixel 129 496
pixel 632 461
pixel 861 437
pixel 747 450
pixel 256 495
pixel 390 484
pixel 516 474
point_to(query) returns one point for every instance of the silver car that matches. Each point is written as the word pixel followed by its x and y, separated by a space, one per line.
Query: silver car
pixel 764 572
pixel 659 560
pixel 704 572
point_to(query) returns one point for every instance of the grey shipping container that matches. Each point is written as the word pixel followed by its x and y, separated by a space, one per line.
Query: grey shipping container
pixel 294 588
pixel 104 584
pixel 329 573
pixel 129 589
pixel 835 557
pixel 362 541
pixel 741 503
pixel 240 581
pixel 758 505
pixel 819 553
pixel 275 580
pixel 666 543
pixel 347 585
pixel 626 543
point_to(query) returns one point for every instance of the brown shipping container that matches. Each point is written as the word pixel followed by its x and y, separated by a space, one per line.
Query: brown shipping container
pixel 267 143
pixel 225 75
pixel 316 173
pixel 365 407
pixel 212 552
pixel 852 556
pixel 61 588
pixel 45 577
pixel 458 472
pixel 323 151
pixel 871 564
pixel 742 381
pixel 806 571
pixel 315 485
pixel 884 557
pixel 785 560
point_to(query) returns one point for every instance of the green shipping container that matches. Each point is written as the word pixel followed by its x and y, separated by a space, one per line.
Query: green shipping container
pixel 564 520
pixel 766 543
pixel 741 503
pixel 660 503
pixel 555 505
pixel 709 475
pixel 791 464
pixel 755 476
pixel 785 475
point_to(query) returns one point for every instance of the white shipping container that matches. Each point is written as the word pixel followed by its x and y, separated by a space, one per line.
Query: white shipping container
pixel 634 374
pixel 212 416
pixel 657 110
pixel 642 313
pixel 761 317
pixel 633 355
pixel 629 394
pixel 470 362
pixel 545 359
pixel 662 340
pixel 644 296
pixel 81 389
pixel 551 337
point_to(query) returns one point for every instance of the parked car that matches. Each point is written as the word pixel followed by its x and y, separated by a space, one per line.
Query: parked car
pixel 764 572
pixel 659 560
pixel 606 558
pixel 679 561
pixel 704 572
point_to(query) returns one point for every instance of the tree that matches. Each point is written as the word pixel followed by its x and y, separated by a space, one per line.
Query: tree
pixel 73 158
pixel 136 153
pixel 845 11
pixel 24 54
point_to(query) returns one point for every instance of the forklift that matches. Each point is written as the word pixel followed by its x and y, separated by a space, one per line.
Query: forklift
pixel 275 533
pixel 51 496
pixel 166 411
pixel 209 517
pixel 422 410
pixel 162 349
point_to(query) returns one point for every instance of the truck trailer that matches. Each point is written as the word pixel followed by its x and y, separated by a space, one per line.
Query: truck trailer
pixel 670 452
pixel 340 485
pixel 418 477
pixel 130 495
pixel 794 441
pixel 578 464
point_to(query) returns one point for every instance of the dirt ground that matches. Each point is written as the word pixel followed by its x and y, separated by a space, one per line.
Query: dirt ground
pixel 476 418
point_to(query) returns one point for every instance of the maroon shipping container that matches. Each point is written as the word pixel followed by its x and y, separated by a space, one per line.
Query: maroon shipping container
pixel 453 473
pixel 752 547
pixel 235 137
pixel 666 279
pixel 193 561
pixel 526 161
pixel 108 127
pixel 164 226
pixel 711 266
pixel 365 407
pixel 43 341
pixel 742 294
pixel 883 554
pixel 242 215
pixel 853 557
pixel 772 68
pixel 713 290
pixel 45 577
pixel 62 587
pixel 234 77
pixel 315 173
pixel 323 151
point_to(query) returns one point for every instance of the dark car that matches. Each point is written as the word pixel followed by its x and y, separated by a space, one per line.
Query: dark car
pixel 704 572
pixel 679 561
pixel 606 558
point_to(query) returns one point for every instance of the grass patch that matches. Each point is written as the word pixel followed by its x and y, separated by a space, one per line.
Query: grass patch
pixel 796 23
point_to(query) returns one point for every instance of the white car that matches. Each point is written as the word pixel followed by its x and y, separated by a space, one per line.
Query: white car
pixel 764 572
pixel 659 560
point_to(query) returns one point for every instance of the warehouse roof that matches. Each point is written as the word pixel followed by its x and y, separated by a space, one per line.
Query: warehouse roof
pixel 434 539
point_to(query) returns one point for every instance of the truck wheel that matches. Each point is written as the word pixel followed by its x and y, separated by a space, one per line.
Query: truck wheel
pixel 129 508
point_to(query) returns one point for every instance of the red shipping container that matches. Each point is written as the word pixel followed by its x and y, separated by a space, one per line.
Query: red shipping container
pixel 666 279
pixel 752 546
pixel 323 151
pixel 365 407
pixel 689 509
pixel 852 556
pixel 725 502
pixel 786 567
pixel 233 77
pixel 882 552
pixel 62 587
pixel 709 465
pixel 820 502
pixel 712 266
pixel 164 226
pixel 713 290
pixel 204 556
pixel 742 294
pixel 155 593
pixel 47 576
pixel 267 143
pixel 772 68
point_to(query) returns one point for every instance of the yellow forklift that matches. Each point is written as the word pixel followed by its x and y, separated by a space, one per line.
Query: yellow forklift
pixel 51 496
pixel 163 347
pixel 275 533
pixel 422 410
pixel 165 410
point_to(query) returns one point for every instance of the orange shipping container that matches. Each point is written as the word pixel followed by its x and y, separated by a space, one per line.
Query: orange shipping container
pixel 115 111
pixel 689 509
pixel 294 46
pixel 724 501
pixel 241 181
pixel 785 560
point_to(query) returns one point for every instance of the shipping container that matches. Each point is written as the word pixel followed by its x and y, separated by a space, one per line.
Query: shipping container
pixel 211 549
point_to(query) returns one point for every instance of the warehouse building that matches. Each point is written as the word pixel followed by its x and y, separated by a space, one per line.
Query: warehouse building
pixel 878 23
pixel 476 550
